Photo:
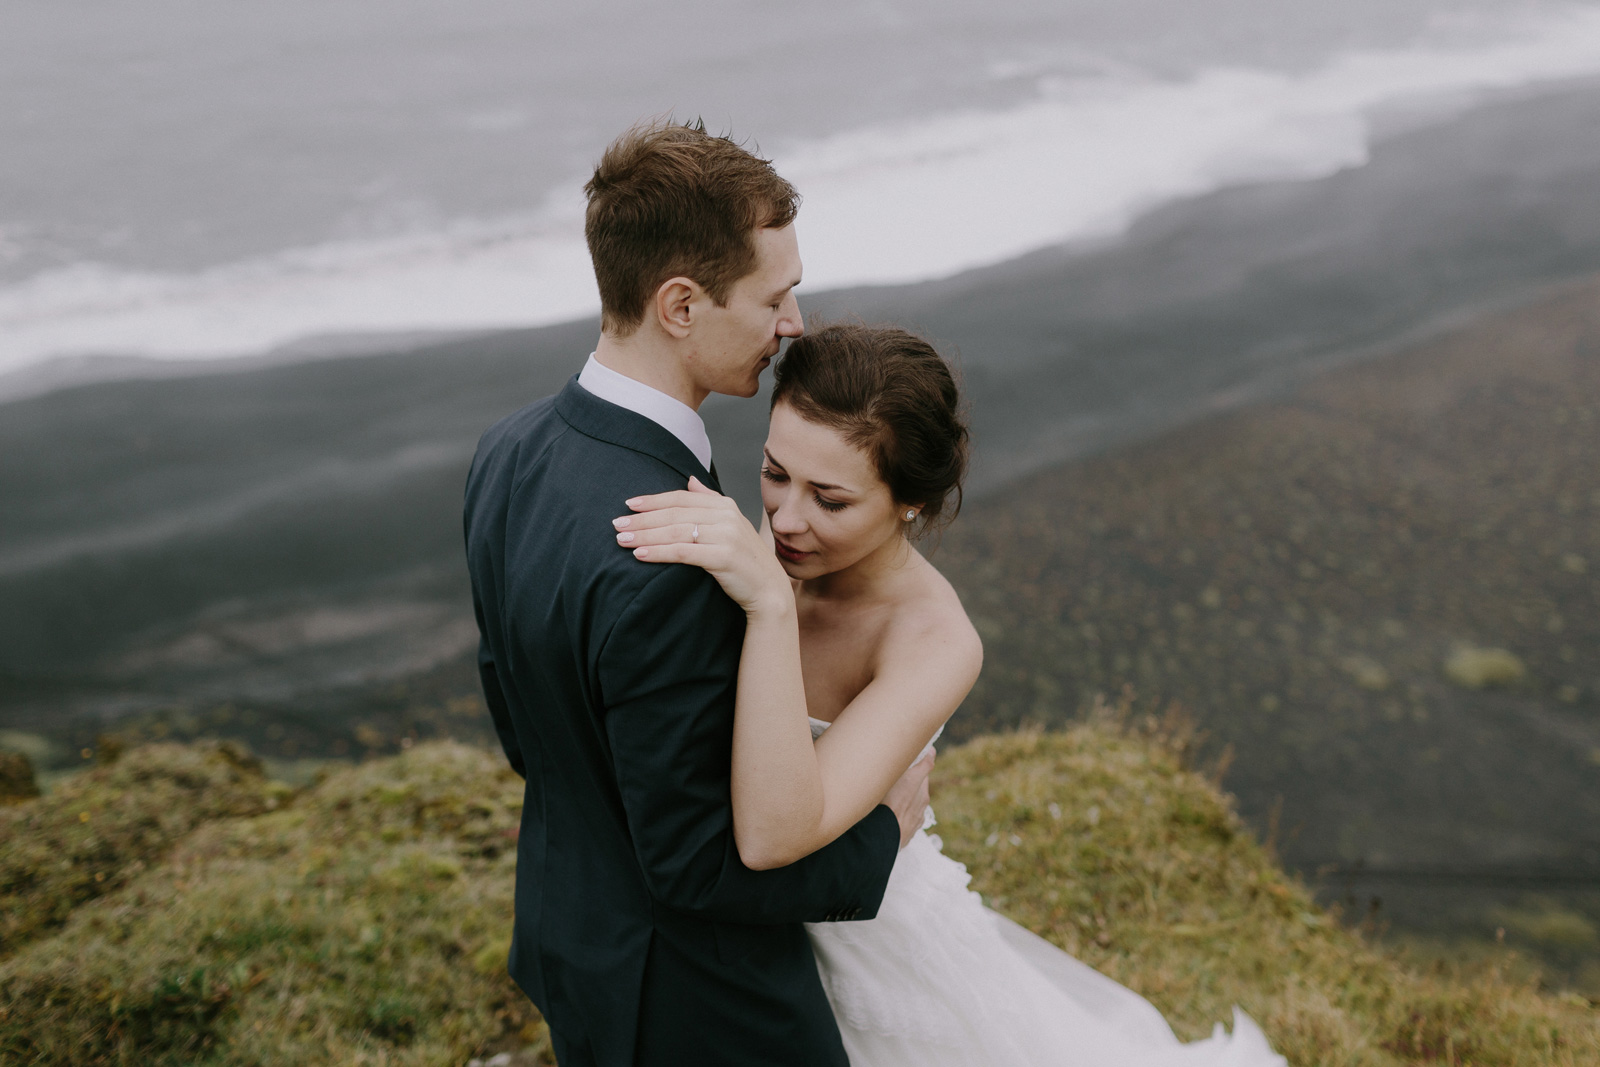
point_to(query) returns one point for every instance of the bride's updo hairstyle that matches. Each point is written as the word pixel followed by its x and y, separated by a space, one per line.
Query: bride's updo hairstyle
pixel 888 392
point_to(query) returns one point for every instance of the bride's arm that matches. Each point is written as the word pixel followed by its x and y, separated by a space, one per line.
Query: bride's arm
pixel 924 670
pixel 777 783
pixel 791 797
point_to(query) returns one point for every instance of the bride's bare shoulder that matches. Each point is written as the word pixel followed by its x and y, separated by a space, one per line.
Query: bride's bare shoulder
pixel 930 626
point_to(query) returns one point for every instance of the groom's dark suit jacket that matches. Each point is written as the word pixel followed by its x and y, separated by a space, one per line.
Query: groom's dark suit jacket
pixel 639 933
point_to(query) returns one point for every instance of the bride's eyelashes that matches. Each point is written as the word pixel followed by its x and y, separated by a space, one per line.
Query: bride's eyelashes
pixel 779 479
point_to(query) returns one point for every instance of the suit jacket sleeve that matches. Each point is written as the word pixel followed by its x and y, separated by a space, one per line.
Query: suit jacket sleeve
pixel 668 674
pixel 494 696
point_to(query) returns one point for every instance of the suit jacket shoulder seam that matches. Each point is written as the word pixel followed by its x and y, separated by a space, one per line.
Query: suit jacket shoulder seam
pixel 527 468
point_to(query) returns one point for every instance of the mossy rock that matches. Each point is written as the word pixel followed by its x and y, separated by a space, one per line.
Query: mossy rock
pixel 16 778
pixel 1484 668
pixel 355 925
pixel 100 828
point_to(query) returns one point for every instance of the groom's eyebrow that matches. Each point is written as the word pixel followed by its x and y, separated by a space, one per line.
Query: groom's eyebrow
pixel 792 285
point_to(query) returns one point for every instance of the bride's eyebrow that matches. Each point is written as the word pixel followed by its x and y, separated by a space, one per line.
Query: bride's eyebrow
pixel 774 464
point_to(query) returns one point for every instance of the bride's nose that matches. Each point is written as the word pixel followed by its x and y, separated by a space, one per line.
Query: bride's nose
pixel 787 520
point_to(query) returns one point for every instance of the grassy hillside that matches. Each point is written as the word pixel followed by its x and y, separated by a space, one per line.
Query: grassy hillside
pixel 364 919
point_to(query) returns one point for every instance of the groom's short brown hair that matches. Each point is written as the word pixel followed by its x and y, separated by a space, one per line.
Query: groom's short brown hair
pixel 669 199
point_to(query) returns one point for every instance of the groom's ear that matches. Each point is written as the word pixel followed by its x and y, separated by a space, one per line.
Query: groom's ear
pixel 675 305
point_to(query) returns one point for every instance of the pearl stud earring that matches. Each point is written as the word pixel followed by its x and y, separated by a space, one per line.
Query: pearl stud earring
pixel 910 515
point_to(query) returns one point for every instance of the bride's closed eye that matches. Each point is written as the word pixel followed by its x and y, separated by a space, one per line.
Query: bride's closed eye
pixel 822 502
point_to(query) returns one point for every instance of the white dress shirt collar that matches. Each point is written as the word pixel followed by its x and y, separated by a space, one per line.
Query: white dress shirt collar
pixel 674 416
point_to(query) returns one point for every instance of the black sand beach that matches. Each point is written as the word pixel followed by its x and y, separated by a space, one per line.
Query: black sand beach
pixel 272 552
pixel 1302 578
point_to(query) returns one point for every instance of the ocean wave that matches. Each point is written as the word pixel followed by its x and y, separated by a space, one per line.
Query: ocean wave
pixel 476 274
pixel 1079 161
pixel 1089 156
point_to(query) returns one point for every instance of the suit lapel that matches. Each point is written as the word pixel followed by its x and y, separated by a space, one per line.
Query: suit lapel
pixel 605 421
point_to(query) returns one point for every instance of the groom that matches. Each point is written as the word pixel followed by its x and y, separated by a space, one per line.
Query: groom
pixel 639 933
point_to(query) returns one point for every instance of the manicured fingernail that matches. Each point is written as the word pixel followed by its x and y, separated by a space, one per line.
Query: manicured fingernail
pixel 633 502
pixel 641 553
pixel 624 539
pixel 622 523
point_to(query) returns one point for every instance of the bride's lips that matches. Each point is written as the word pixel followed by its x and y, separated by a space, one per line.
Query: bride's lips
pixel 790 554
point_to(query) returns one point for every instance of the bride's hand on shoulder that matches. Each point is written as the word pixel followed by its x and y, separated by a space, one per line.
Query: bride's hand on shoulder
pixel 705 529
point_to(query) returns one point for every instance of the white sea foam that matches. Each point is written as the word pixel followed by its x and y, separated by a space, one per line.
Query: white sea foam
pixel 1079 161
pixel 508 272
pixel 1088 157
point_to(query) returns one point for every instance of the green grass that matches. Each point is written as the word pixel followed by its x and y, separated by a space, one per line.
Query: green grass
pixel 1100 840
pixel 365 920
pixel 99 829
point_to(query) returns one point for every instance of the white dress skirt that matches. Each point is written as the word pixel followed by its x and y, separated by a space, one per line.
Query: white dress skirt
pixel 939 980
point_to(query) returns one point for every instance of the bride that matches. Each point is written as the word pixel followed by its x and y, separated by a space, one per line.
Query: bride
pixel 856 651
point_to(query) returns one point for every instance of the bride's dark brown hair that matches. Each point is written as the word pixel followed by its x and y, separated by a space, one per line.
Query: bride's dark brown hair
pixel 890 393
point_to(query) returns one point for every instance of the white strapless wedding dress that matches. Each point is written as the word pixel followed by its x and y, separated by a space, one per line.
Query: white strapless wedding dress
pixel 939 980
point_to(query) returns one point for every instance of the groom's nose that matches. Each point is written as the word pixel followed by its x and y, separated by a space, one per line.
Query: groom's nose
pixel 789 322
